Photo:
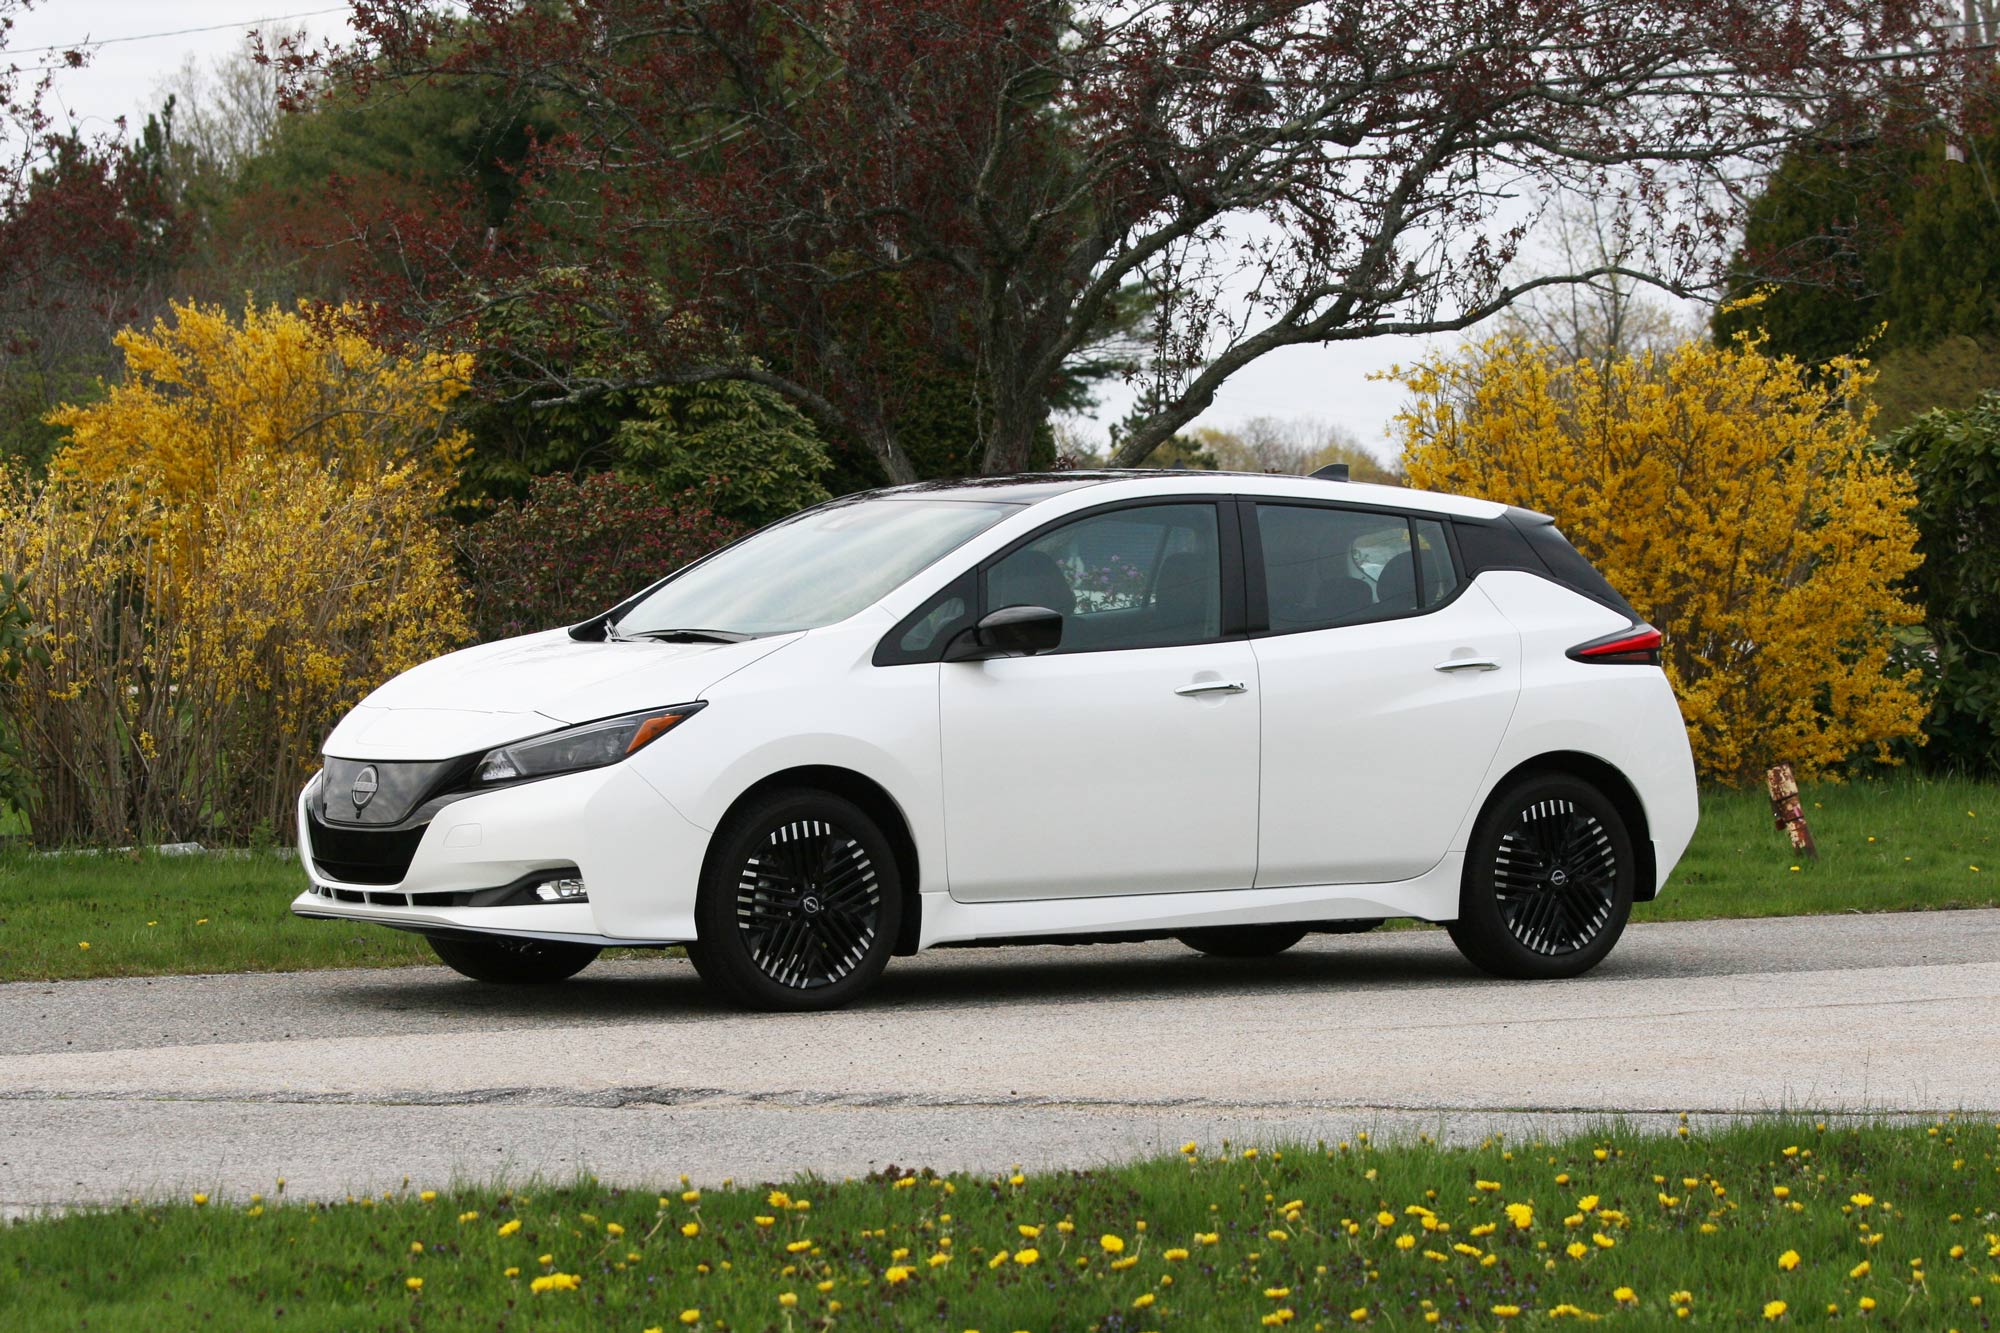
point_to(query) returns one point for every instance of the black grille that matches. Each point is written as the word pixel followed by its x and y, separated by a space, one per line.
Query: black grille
pixel 400 787
pixel 362 855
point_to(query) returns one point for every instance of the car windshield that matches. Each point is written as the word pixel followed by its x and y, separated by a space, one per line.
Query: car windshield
pixel 811 570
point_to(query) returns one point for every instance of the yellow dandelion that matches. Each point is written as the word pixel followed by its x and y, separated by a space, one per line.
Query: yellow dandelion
pixel 1112 1244
pixel 1026 1257
pixel 1774 1310
pixel 1788 1260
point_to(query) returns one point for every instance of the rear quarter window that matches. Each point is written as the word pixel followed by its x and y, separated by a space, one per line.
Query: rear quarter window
pixel 1532 542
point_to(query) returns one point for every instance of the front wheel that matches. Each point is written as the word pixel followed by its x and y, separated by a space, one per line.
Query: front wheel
pixel 1549 878
pixel 799 904
pixel 507 961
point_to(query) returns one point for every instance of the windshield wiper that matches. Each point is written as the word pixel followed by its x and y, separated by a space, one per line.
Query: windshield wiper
pixel 683 635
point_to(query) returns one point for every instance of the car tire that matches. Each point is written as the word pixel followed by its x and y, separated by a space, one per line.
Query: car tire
pixel 510 961
pixel 799 904
pixel 1548 882
pixel 1242 941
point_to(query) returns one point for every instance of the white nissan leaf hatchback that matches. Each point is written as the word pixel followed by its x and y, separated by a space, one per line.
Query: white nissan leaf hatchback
pixel 1227 709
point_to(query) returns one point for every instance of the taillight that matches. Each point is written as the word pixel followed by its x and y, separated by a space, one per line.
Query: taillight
pixel 1635 645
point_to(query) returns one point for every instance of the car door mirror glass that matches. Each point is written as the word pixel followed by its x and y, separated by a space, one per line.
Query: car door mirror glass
pixel 1011 631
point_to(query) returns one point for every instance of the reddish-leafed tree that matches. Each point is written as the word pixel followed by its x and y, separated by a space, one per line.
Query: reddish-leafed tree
pixel 89 232
pixel 819 195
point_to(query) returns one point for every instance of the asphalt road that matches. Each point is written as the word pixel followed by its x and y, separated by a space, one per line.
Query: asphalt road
pixel 344 1082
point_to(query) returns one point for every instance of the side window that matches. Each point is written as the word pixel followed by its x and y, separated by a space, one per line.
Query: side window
pixel 1326 567
pixel 1132 578
pixel 1436 574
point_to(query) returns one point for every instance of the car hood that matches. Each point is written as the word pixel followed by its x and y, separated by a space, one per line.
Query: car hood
pixel 499 692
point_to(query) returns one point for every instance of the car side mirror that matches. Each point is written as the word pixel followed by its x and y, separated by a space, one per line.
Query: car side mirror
pixel 1011 631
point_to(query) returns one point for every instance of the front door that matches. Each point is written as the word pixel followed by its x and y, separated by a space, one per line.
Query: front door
pixel 1124 762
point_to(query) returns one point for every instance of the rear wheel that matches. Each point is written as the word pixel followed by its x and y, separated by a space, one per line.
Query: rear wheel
pixel 799 904
pixel 1242 941
pixel 1548 880
pixel 507 961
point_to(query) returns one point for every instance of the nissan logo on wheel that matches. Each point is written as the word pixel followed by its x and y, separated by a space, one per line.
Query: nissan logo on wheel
pixel 366 783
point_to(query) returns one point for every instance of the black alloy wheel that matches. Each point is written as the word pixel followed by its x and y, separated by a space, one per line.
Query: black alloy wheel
pixel 799 904
pixel 1549 880
pixel 507 960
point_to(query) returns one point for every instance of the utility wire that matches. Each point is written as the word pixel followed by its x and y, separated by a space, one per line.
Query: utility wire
pixel 177 32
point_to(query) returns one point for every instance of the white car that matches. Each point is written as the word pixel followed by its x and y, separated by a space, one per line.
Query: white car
pixel 1228 709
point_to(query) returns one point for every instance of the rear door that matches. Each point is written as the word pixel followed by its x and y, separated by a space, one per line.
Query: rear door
pixel 1387 687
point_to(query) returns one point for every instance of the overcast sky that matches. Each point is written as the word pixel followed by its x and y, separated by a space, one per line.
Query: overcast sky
pixel 1324 383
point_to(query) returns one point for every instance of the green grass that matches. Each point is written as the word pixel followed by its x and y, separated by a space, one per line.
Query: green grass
pixel 1331 1236
pixel 148 915
pixel 1885 845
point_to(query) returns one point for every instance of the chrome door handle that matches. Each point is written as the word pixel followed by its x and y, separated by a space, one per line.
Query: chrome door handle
pixel 1468 664
pixel 1213 687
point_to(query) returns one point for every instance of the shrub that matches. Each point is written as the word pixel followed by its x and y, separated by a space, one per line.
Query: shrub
pixel 576 546
pixel 750 454
pixel 1731 496
pixel 237 543
pixel 1954 458
pixel 20 644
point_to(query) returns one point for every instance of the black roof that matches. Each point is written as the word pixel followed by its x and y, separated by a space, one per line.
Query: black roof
pixel 1030 487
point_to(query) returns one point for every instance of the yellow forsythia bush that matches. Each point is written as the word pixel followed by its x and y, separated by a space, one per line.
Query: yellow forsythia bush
pixel 238 541
pixel 1731 496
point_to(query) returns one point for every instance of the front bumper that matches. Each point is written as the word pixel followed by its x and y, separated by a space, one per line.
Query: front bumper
pixel 639 859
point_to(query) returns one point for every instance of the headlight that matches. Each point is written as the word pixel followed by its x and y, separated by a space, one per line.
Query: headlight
pixel 591 745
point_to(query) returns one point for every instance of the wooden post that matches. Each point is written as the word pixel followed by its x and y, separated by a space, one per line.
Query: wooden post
pixel 1786 810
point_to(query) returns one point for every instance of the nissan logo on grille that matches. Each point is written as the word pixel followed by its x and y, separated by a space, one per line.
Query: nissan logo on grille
pixel 366 783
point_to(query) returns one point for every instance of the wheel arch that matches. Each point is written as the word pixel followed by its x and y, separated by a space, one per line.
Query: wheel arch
pixel 1616 786
pixel 876 802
